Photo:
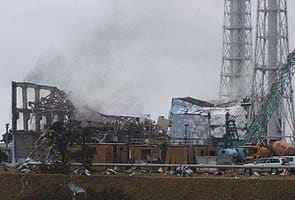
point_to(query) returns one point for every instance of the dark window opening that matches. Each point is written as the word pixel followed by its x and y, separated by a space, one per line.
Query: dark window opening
pixel 202 153
pixel 212 153
pixel 145 154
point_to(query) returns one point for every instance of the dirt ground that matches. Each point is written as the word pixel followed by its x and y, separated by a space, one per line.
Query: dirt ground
pixel 118 187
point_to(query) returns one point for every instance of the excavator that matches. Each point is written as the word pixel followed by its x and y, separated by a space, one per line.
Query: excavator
pixel 254 144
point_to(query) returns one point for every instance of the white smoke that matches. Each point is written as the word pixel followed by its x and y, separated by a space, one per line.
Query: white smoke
pixel 140 57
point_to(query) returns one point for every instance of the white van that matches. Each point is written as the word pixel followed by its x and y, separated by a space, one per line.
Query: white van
pixel 272 162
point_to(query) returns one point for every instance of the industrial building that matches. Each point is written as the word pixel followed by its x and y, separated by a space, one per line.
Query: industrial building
pixel 196 122
pixel 255 106
pixel 239 145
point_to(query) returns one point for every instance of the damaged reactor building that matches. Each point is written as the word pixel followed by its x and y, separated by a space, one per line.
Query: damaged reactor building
pixel 194 121
pixel 37 108
pixel 45 121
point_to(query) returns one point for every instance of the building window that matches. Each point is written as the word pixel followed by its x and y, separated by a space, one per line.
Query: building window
pixel 212 153
pixel 202 153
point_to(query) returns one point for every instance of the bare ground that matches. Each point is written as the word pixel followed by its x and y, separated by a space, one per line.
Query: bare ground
pixel 119 187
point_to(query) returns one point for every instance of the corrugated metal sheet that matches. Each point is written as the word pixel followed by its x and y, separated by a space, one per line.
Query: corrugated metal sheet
pixel 196 117
pixel 196 132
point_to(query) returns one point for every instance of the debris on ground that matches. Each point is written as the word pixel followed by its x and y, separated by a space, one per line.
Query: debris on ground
pixel 76 190
pixel 284 173
pixel 184 170
pixel 265 174
pixel 110 171
pixel 160 170
pixel 81 171
pixel 170 172
pixel 142 171
pixel 24 169
pixel 131 174
pixel 219 173
pixel 256 174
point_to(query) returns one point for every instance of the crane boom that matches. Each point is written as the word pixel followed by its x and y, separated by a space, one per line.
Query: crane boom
pixel 271 102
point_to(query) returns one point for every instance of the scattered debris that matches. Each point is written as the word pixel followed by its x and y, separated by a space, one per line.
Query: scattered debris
pixel 107 173
pixel 160 170
pixel 81 171
pixel 184 170
pixel 256 174
pixel 284 173
pixel 219 173
pixel 170 172
pixel 265 174
pixel 131 174
pixel 111 171
pixel 24 169
pixel 129 171
pixel 76 190
pixel 142 171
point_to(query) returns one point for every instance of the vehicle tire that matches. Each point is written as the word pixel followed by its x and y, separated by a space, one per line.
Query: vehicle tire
pixel 248 171
pixel 274 171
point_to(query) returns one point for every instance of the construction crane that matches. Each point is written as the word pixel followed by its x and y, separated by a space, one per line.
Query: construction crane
pixel 257 128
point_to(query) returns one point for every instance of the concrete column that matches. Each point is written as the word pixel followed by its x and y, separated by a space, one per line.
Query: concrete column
pixel 273 128
pixel 237 37
pixel 38 117
pixel 13 106
pixel 26 114
pixel 14 119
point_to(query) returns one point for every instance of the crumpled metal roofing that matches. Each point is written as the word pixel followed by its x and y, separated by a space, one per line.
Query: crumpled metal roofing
pixel 195 112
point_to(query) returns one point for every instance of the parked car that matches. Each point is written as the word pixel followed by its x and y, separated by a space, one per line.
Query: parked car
pixel 291 160
pixel 272 162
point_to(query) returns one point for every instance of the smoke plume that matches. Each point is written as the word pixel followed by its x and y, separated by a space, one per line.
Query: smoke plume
pixel 133 63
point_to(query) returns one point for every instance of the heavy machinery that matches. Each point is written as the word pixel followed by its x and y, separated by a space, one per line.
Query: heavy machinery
pixel 254 152
pixel 230 156
pixel 280 148
pixel 250 153
pixel 255 146
pixel 257 129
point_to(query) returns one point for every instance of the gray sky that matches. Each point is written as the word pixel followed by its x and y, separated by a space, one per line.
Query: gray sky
pixel 118 56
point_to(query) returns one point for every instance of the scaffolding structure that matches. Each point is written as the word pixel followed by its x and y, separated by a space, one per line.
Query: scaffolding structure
pixel 237 50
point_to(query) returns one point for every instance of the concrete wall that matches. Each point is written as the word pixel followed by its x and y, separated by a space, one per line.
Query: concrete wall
pixel 24 142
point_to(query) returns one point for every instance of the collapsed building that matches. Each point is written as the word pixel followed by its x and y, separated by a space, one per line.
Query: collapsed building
pixel 34 108
pixel 47 127
pixel 44 117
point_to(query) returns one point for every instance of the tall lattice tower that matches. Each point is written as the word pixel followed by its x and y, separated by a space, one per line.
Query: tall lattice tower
pixel 237 50
pixel 271 50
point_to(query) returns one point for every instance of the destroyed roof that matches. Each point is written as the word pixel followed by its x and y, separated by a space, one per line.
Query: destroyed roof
pixel 197 102
pixel 86 113
pixel 189 106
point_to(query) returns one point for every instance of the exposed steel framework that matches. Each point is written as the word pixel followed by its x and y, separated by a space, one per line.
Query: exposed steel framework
pixel 271 51
pixel 237 50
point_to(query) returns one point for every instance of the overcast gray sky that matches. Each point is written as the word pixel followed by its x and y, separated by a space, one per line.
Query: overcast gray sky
pixel 118 56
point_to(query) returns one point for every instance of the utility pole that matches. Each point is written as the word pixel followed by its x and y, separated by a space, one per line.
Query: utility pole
pixel 185 133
